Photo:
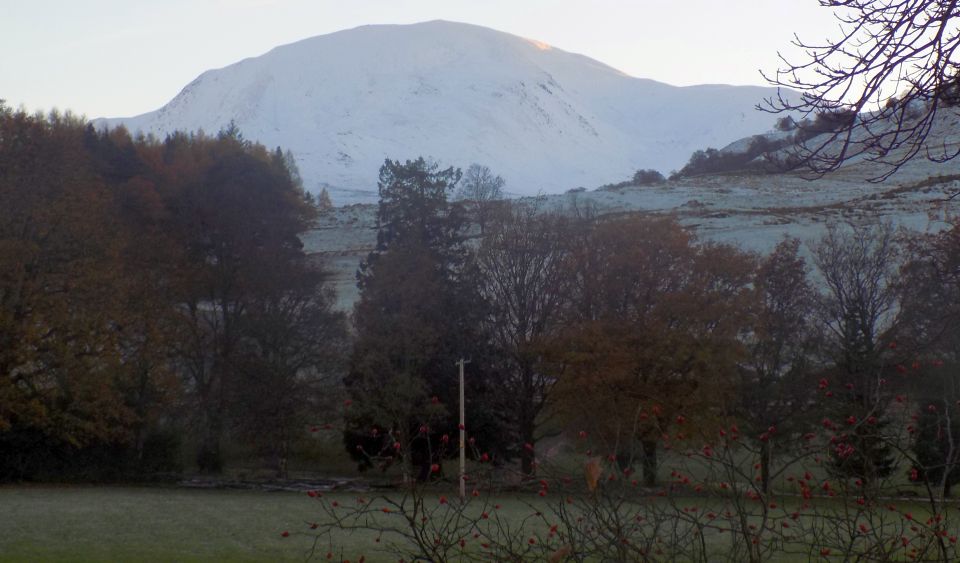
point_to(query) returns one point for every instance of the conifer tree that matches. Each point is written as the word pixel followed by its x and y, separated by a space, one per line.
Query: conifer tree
pixel 418 314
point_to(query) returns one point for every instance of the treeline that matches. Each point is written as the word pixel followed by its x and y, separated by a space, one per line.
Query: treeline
pixel 154 296
pixel 155 300
pixel 765 153
pixel 636 332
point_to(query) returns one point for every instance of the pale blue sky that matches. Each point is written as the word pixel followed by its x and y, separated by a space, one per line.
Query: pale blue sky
pixel 125 57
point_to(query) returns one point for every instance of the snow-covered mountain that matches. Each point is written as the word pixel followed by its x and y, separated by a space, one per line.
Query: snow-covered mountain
pixel 545 119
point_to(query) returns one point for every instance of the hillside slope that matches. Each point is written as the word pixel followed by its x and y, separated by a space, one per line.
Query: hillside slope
pixel 752 211
pixel 545 119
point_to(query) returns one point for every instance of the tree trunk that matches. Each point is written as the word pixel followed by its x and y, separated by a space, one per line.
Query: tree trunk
pixel 283 449
pixel 649 462
pixel 406 459
pixel 527 423
pixel 423 475
pixel 209 457
pixel 765 459
pixel 528 456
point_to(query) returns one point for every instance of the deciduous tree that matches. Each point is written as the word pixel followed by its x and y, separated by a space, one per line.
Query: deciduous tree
pixel 483 190
pixel 859 265
pixel 523 273
pixel 653 340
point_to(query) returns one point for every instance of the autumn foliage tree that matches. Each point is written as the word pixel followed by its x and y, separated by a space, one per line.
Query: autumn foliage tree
pixel 60 254
pixel 653 339
pixel 129 272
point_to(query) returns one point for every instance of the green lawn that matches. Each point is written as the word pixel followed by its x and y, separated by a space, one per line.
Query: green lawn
pixel 150 524
pixel 90 523
pixel 110 523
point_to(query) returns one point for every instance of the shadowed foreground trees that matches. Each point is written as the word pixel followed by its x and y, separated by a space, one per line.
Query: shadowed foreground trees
pixel 419 312
pixel 858 308
pixel 523 264
pixel 238 226
pixel 927 331
pixel 652 333
pixel 60 248
pixel 781 354
pixel 132 276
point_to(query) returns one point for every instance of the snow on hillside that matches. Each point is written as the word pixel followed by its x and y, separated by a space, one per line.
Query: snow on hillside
pixel 545 119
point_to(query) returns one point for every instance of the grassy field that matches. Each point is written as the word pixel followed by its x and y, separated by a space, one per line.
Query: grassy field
pixel 90 523
pixel 150 524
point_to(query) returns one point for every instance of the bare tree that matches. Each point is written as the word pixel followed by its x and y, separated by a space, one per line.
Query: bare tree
pixel 779 350
pixel 523 264
pixel 888 77
pixel 481 188
pixel 859 266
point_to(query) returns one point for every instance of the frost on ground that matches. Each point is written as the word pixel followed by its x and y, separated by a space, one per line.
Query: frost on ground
pixel 751 211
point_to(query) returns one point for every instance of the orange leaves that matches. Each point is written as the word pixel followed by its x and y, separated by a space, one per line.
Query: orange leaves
pixel 560 554
pixel 592 472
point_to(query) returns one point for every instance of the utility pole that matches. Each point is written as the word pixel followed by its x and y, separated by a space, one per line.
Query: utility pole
pixel 463 434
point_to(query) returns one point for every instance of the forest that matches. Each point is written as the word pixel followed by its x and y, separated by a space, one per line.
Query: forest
pixel 156 298
pixel 153 296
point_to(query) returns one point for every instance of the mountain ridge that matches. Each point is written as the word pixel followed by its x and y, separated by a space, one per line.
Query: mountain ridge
pixel 546 119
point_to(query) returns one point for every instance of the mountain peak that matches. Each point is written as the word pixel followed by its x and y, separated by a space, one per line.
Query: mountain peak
pixel 545 119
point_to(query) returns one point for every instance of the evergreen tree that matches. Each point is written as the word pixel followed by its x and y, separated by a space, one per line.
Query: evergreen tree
pixel 417 315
